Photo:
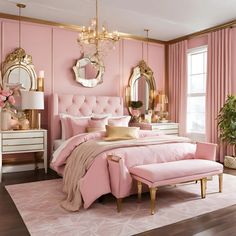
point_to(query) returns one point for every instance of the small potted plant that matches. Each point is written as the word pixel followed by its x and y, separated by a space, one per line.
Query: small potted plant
pixel 135 110
pixel 227 128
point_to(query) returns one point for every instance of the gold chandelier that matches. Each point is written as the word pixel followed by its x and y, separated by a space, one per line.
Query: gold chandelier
pixel 95 41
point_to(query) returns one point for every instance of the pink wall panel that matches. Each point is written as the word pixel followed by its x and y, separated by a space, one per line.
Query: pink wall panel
pixel 132 54
pixel 10 39
pixel 156 60
pixel 234 61
pixel 65 53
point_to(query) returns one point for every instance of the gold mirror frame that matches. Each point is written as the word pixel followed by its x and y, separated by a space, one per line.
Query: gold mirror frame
pixel 96 62
pixel 141 70
pixel 19 59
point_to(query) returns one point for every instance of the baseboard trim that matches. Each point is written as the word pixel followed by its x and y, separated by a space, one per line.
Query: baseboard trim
pixel 18 168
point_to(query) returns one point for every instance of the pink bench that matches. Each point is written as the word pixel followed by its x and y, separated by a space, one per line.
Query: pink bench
pixel 160 174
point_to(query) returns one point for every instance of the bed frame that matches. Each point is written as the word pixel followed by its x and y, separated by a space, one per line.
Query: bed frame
pixel 81 105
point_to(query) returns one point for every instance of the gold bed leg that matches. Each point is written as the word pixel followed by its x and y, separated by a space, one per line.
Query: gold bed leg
pixel 153 199
pixel 203 187
pixel 220 182
pixel 118 203
pixel 139 191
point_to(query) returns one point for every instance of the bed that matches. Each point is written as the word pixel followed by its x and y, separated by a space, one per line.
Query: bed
pixel 108 172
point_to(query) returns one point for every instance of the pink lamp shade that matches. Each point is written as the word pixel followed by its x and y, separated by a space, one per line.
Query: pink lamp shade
pixel 32 100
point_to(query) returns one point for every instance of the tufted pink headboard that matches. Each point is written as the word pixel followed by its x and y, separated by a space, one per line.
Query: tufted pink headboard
pixel 79 105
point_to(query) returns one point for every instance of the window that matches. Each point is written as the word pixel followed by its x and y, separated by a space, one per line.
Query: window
pixel 196 93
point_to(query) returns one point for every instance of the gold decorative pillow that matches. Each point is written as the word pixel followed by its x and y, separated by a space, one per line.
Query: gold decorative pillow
pixel 121 133
pixel 95 129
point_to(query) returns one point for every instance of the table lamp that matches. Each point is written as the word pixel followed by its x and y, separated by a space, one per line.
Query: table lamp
pixel 32 101
pixel 161 101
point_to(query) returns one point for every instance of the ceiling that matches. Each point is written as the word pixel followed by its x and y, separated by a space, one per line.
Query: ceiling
pixel 166 19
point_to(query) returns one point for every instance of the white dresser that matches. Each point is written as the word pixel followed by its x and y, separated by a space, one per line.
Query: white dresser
pixel 164 128
pixel 23 141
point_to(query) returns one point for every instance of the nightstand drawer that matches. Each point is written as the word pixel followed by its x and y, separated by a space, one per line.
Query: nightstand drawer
pixel 21 148
pixel 15 135
pixel 22 141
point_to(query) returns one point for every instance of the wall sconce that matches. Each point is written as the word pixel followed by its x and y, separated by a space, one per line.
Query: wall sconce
pixel 32 101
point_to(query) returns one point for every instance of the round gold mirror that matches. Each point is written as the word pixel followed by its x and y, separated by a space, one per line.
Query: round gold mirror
pixel 89 71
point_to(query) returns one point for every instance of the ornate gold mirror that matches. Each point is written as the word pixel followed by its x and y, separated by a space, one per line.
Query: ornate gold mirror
pixel 89 71
pixel 141 87
pixel 19 69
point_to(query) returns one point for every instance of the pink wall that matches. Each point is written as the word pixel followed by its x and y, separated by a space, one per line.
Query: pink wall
pixel 56 50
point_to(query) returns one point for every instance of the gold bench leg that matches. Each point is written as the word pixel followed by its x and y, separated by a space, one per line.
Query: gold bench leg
pixel 139 191
pixel 118 203
pixel 220 182
pixel 203 187
pixel 153 199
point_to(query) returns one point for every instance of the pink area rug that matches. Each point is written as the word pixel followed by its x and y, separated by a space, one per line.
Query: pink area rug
pixel 39 206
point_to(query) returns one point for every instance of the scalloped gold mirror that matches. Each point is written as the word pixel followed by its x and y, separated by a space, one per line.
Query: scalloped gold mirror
pixel 89 71
pixel 141 87
pixel 19 69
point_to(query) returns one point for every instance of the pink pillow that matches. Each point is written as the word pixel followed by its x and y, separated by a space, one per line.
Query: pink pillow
pixel 78 126
pixel 98 123
pixel 119 121
pixel 66 131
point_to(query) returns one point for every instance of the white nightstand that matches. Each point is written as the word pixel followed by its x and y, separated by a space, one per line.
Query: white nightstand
pixel 164 128
pixel 23 141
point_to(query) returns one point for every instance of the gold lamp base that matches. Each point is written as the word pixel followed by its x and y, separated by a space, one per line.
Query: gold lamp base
pixel 32 116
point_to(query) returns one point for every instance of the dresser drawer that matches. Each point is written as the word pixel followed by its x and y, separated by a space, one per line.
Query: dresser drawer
pixel 15 135
pixel 22 148
pixel 21 141
pixel 165 126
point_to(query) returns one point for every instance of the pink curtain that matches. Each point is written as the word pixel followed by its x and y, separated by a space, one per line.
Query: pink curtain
pixel 178 84
pixel 218 82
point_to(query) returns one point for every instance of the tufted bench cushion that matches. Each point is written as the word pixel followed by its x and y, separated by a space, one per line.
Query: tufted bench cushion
pixel 159 174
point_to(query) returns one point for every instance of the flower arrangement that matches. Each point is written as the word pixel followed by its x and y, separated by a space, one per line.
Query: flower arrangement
pixel 7 99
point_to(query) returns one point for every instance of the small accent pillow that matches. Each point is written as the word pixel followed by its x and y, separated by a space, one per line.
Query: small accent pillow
pixel 119 121
pixel 121 133
pixel 98 123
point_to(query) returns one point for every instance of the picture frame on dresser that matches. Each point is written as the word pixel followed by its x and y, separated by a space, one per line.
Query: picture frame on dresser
pixel 23 141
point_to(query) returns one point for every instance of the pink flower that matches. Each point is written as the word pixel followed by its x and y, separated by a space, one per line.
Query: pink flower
pixel 2 104
pixel 2 98
pixel 6 93
pixel 11 100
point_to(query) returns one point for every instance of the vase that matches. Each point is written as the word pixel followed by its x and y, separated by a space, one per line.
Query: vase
pixel 5 120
